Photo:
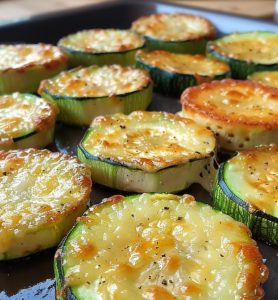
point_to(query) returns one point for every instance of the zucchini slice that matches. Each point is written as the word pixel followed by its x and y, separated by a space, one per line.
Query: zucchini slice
pixel 23 66
pixel 246 52
pixel 158 246
pixel 176 32
pixel 269 78
pixel 84 93
pixel 172 73
pixel 242 113
pixel 101 47
pixel 41 195
pixel 26 121
pixel 148 152
pixel 253 201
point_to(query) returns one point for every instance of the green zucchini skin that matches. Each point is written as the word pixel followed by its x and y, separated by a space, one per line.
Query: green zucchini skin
pixel 170 83
pixel 80 111
pixel 262 225
pixel 240 69
pixel 188 46
pixel 78 58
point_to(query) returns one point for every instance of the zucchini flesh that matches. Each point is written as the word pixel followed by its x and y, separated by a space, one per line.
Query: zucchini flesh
pixel 41 195
pixel 146 152
pixel 84 93
pixel 168 239
pixel 23 66
pixel 177 32
pixel 254 200
pixel 247 52
pixel 26 121
pixel 173 73
pixel 101 47
pixel 269 78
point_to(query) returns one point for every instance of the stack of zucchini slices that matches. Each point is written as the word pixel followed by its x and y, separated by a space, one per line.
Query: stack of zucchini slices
pixel 176 32
pixel 148 152
pixel 247 189
pixel 101 47
pixel 23 66
pixel 158 246
pixel 84 93
pixel 26 121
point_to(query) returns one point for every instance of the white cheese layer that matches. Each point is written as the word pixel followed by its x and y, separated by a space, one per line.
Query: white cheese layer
pixel 161 246
pixel 173 27
pixel 28 55
pixel 21 114
pixel 257 171
pixel 183 63
pixel 102 41
pixel 256 47
pixel 269 78
pixel 96 81
pixel 38 187
pixel 148 141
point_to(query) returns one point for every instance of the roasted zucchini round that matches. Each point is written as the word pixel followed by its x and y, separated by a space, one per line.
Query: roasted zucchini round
pixel 242 113
pixel 148 152
pixel 253 201
pixel 246 52
pixel 101 47
pixel 269 78
pixel 26 121
pixel 41 195
pixel 23 66
pixel 177 32
pixel 84 93
pixel 158 246
pixel 172 73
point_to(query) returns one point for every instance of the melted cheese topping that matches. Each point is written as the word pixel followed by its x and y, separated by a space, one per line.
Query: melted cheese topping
pixel 234 102
pixel 102 40
pixel 161 247
pixel 21 114
pixel 96 82
pixel 183 63
pixel 268 78
pixel 29 55
pixel 257 172
pixel 148 141
pixel 257 47
pixel 173 27
pixel 36 188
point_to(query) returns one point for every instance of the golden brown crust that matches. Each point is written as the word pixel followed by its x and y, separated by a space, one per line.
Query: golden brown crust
pixel 238 102
pixel 51 57
pixel 156 27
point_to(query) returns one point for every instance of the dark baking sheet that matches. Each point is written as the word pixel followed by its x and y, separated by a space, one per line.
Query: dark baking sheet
pixel 32 277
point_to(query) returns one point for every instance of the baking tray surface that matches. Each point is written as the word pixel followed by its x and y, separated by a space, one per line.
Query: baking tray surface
pixel 32 277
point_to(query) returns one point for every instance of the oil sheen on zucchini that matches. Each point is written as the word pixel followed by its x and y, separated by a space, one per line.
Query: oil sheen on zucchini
pixel 269 78
pixel 41 195
pixel 101 47
pixel 84 93
pixel 176 32
pixel 158 246
pixel 148 152
pixel 172 73
pixel 247 189
pixel 246 52
pixel 26 121
pixel 23 66
pixel 241 113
